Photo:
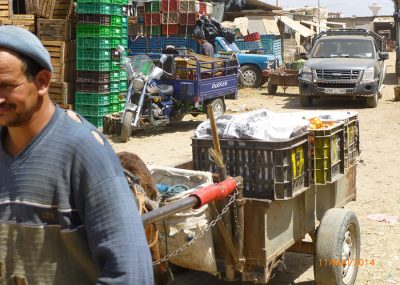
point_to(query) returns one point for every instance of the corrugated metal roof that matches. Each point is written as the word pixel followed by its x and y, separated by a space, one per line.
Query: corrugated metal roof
pixel 296 25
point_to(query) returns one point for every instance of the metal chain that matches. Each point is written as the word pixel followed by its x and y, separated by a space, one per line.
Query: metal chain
pixel 236 219
pixel 201 234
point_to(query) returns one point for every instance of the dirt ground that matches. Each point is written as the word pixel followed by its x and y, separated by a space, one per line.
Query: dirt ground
pixel 378 188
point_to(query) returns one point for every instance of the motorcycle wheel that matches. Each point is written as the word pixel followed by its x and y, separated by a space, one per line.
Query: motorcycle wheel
pixel 126 127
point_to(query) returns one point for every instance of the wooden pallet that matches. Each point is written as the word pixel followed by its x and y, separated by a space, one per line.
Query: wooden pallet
pixel 55 9
pixel 62 59
pixel 54 29
pixel 4 9
pixel 62 93
pixel 112 124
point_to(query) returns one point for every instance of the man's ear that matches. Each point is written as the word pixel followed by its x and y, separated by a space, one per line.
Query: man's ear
pixel 42 81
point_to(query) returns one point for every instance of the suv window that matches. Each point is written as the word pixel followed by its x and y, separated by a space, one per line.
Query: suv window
pixel 353 48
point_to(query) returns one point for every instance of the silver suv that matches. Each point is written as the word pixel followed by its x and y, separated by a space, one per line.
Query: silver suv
pixel 344 63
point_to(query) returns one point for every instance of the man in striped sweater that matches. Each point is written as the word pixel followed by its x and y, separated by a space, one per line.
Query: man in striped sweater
pixel 66 212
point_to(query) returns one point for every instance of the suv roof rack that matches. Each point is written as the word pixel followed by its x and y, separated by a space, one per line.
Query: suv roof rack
pixel 355 32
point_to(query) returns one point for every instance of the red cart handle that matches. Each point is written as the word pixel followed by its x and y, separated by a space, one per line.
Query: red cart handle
pixel 216 191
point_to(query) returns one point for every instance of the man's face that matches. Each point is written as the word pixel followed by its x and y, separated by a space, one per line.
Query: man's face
pixel 18 94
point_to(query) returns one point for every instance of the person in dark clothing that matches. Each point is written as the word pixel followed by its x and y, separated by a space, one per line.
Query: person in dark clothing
pixel 67 215
pixel 206 47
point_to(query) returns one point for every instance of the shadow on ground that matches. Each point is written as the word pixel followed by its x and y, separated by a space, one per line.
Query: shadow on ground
pixel 152 131
pixel 294 266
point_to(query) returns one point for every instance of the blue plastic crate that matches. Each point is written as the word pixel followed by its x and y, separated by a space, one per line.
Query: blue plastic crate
pixel 156 44
pixel 242 45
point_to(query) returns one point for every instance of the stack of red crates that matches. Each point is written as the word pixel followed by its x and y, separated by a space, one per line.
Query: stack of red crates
pixel 252 37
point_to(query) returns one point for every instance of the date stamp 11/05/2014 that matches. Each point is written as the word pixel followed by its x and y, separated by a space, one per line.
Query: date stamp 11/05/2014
pixel 350 262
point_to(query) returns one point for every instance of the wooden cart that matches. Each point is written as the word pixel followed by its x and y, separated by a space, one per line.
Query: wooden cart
pixel 269 228
pixel 282 77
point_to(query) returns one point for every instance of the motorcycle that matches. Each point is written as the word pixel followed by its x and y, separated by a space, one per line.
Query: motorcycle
pixel 146 101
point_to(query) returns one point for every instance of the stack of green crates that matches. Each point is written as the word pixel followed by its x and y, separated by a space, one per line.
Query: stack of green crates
pixel 101 83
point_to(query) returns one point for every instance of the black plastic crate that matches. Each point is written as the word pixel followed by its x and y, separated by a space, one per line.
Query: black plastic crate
pixel 93 76
pixel 270 170
pixel 104 20
pixel 93 87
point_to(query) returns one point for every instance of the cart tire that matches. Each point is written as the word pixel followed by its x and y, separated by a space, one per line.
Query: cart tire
pixel 306 101
pixel 272 88
pixel 372 102
pixel 126 127
pixel 250 76
pixel 218 107
pixel 264 80
pixel 337 240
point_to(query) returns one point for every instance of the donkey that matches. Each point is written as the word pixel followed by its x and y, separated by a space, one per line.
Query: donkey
pixel 144 189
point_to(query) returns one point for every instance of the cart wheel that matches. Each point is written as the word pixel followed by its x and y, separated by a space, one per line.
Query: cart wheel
pixel 250 76
pixel 218 107
pixel 263 81
pixel 272 88
pixel 372 102
pixel 306 101
pixel 126 128
pixel 337 248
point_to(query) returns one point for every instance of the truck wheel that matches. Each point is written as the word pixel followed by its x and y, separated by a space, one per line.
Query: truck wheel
pixel 272 88
pixel 218 107
pixel 372 101
pixel 250 76
pixel 337 250
pixel 126 127
pixel 306 101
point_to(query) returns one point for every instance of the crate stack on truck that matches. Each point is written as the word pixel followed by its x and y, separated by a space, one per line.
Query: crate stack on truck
pixel 102 25
pixel 165 22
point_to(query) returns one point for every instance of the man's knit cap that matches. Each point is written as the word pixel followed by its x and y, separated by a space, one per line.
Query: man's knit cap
pixel 26 43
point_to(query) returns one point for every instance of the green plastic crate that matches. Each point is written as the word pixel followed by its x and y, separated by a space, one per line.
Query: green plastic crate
pixel 114 87
pixel 113 108
pixel 115 65
pixel 92 99
pixel 121 106
pixel 152 7
pixel 116 10
pixel 115 42
pixel 114 98
pixel 95 121
pixel 94 54
pixel 123 75
pixel 327 154
pixel 93 42
pixel 115 76
pixel 94 1
pixel 93 8
pixel 116 20
pixel 124 42
pixel 93 65
pixel 124 21
pixel 92 110
pixel 84 30
pixel 123 85
pixel 116 32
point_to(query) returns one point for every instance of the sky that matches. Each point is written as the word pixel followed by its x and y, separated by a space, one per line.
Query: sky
pixel 348 8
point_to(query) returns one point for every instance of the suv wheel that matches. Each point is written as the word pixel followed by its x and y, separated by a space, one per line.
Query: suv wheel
pixel 306 101
pixel 372 102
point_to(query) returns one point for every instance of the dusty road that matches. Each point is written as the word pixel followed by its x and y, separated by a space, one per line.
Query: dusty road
pixel 377 178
